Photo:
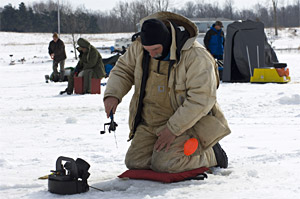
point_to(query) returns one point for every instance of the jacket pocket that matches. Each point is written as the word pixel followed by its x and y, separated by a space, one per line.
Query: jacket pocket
pixel 209 130
pixel 180 92
pixel 158 88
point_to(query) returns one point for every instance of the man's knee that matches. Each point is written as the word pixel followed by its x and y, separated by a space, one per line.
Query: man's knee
pixel 163 162
pixel 62 65
pixel 129 159
pixel 135 161
pixel 130 162
pixel 54 65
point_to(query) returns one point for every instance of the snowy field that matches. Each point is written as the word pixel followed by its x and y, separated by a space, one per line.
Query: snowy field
pixel 37 125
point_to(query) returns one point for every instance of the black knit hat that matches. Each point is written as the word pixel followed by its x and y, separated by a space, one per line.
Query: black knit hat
pixel 154 32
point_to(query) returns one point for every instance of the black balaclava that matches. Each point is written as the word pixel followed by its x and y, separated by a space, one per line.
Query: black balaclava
pixel 154 32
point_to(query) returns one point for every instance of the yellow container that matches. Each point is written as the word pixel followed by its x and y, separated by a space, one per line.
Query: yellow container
pixel 268 75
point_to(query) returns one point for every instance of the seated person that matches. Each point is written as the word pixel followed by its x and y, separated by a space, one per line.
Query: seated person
pixel 90 66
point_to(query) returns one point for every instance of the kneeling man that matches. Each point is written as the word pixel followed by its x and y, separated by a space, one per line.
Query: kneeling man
pixel 175 81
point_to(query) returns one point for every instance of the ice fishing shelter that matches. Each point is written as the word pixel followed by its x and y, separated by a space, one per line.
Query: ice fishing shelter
pixel 244 50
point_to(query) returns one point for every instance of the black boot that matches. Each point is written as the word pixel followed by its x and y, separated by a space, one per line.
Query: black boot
pixel 69 92
pixel 221 156
pixel 66 91
pixel 62 92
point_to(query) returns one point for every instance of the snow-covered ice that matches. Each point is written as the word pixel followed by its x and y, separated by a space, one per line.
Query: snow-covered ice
pixel 37 125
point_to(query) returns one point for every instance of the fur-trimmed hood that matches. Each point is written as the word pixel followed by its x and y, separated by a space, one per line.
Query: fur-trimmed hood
pixel 180 21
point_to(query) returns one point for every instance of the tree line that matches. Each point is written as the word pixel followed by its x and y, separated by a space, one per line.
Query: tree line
pixel 42 17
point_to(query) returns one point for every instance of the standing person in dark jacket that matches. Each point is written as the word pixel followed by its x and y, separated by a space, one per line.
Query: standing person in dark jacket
pixel 214 40
pixel 58 54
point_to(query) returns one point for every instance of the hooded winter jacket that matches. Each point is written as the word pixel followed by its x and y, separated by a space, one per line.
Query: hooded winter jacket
pixel 90 59
pixel 214 41
pixel 193 81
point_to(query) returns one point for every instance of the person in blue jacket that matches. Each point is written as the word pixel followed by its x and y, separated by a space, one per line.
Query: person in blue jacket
pixel 214 40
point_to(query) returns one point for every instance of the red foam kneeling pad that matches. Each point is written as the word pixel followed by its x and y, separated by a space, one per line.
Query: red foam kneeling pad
pixel 162 177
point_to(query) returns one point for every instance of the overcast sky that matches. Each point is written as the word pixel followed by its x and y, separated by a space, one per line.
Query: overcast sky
pixel 104 5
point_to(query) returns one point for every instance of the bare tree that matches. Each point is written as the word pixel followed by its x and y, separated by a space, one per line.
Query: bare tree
pixel 156 5
pixel 122 11
pixel 41 7
pixel 150 7
pixel 274 3
pixel 263 14
pixel 125 16
pixel 190 9
pixel 297 3
pixel 228 9
pixel 247 14
pixel 161 5
pixel 137 12
pixel 200 8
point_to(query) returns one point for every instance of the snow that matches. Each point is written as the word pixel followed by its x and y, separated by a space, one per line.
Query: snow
pixel 294 99
pixel 287 38
pixel 37 125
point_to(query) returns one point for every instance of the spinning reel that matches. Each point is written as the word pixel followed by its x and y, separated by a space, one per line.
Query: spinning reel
pixel 112 124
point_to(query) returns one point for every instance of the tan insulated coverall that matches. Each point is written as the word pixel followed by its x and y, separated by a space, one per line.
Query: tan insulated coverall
pixel 185 103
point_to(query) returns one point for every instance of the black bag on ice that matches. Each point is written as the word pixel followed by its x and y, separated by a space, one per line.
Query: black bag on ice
pixel 70 178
